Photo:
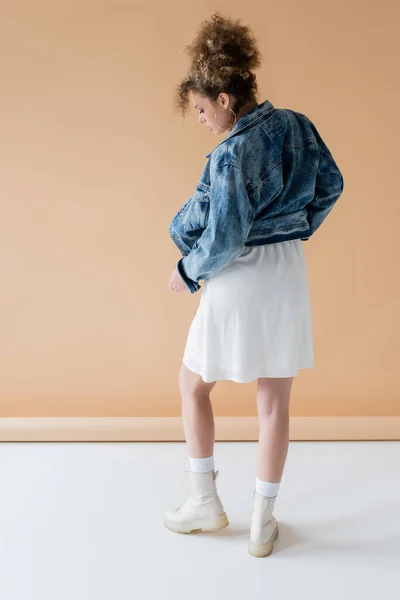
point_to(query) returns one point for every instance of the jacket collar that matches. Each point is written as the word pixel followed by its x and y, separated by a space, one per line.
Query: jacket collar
pixel 251 118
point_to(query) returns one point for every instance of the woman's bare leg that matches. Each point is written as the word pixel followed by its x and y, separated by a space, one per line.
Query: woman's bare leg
pixel 197 413
pixel 273 397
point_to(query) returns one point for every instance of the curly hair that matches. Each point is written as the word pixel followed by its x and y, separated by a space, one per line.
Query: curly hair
pixel 223 56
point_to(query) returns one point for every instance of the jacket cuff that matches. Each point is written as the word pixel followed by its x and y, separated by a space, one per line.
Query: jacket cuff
pixel 192 285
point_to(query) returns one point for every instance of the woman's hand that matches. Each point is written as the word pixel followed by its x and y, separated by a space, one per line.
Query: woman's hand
pixel 176 283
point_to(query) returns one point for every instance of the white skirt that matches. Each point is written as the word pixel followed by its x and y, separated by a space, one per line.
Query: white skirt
pixel 254 317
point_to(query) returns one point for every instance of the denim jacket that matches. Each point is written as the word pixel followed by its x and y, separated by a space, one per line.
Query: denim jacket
pixel 270 180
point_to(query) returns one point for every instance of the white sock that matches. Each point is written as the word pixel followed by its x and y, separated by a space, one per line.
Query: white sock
pixel 201 465
pixel 267 489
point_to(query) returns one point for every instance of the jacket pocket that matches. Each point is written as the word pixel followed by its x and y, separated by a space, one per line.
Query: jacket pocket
pixel 196 214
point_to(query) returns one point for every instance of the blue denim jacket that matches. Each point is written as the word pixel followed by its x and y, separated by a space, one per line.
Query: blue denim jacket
pixel 270 180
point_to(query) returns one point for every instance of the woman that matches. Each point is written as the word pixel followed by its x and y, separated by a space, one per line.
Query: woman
pixel 266 187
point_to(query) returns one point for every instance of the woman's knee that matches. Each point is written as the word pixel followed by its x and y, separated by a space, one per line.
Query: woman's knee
pixel 273 396
pixel 191 384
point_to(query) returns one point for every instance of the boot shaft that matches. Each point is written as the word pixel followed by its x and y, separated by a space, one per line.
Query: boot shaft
pixel 263 509
pixel 202 485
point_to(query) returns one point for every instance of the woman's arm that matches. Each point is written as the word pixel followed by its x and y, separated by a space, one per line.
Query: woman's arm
pixel 328 185
pixel 229 221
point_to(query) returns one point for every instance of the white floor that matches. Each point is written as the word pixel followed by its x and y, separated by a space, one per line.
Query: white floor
pixel 84 522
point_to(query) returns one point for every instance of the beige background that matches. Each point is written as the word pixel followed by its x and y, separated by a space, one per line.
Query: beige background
pixel 94 164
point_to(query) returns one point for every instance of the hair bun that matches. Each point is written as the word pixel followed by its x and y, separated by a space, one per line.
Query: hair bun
pixel 222 42
pixel 223 56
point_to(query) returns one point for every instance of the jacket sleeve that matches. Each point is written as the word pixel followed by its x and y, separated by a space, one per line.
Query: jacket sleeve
pixel 229 221
pixel 328 185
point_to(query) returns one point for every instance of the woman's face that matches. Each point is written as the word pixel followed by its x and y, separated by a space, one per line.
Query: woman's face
pixel 210 113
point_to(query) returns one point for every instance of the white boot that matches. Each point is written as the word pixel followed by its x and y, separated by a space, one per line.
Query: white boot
pixel 264 528
pixel 202 510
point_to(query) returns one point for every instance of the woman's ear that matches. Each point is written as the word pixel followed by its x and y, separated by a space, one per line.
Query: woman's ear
pixel 224 99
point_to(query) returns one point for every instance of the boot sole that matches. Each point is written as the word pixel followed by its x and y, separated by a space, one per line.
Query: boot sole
pixel 214 524
pixel 263 550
